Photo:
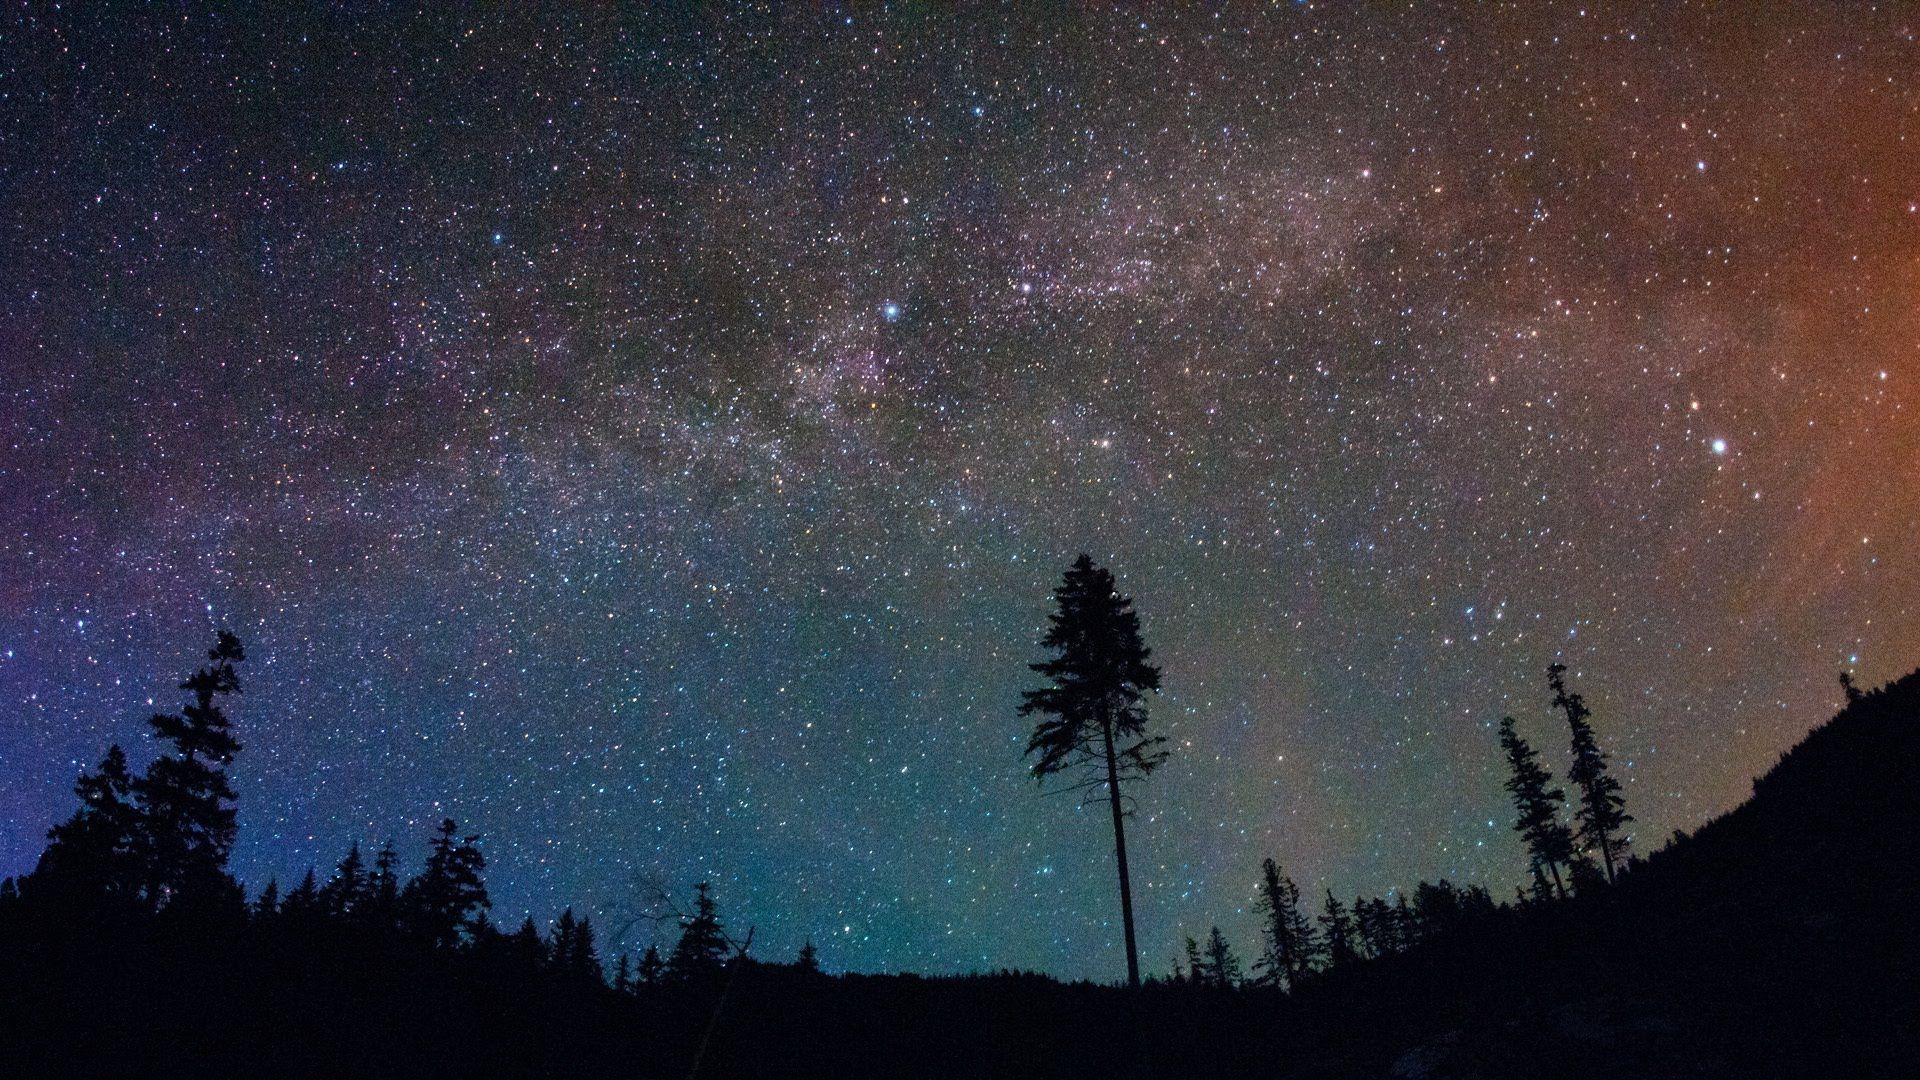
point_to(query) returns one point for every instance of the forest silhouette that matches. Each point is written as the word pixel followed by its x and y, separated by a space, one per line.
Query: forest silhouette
pixel 1773 941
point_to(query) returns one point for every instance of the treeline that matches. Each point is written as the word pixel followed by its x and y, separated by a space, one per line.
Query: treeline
pixel 153 848
pixel 156 846
pixel 1564 858
pixel 131 945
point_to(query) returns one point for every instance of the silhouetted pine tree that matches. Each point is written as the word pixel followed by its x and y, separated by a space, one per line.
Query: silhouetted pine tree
pixel 1289 941
pixel 1336 929
pixel 268 905
pixel 1602 811
pixel 651 970
pixel 809 960
pixel 97 855
pixel 436 905
pixel 1537 804
pixel 383 889
pixel 186 803
pixel 622 975
pixel 1848 689
pixel 560 942
pixel 1373 924
pixel 1223 968
pixel 1096 720
pixel 571 948
pixel 1196 967
pixel 1406 926
pixel 529 953
pixel 702 949
pixel 304 901
pixel 345 896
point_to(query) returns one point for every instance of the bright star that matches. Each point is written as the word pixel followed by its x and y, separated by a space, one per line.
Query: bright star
pixel 1719 446
pixel 890 311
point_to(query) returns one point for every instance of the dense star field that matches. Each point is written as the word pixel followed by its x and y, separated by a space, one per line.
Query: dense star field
pixel 650 439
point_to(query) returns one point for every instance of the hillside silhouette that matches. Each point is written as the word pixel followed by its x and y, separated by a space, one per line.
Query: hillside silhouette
pixel 1776 940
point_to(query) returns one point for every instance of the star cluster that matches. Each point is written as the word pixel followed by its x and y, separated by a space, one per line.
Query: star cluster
pixel 650 437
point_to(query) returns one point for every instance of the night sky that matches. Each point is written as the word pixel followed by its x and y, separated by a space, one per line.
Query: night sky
pixel 650 439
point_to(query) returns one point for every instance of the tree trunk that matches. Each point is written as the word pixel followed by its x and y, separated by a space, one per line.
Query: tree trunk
pixel 1555 867
pixel 1120 854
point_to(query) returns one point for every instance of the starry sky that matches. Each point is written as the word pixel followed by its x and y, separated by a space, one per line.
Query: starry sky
pixel 650 437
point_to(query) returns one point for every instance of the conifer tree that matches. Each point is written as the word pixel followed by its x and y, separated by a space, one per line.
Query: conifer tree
pixel 572 948
pixel 1848 689
pixel 1095 719
pixel 1365 934
pixel 525 946
pixel 437 905
pixel 185 800
pixel 1196 967
pixel 1223 968
pixel 583 960
pixel 1537 804
pixel 651 969
pixel 304 900
pixel 345 896
pixel 1373 925
pixel 560 943
pixel 1602 811
pixel 809 960
pixel 268 905
pixel 702 949
pixel 1406 927
pixel 1337 930
pixel 97 854
pixel 622 975
pixel 1289 939
pixel 383 889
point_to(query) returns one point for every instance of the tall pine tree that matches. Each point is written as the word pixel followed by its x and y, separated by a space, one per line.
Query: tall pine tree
pixel 1537 802
pixel 1289 946
pixel 438 904
pixel 1336 928
pixel 185 800
pixel 1095 717
pixel 1602 810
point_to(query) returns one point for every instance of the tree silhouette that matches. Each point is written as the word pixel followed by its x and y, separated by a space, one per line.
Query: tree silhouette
pixel 97 854
pixel 1289 946
pixel 1549 841
pixel 383 889
pixel 1373 927
pixel 623 974
pixel 571 948
pixel 186 803
pixel 268 905
pixel 1095 719
pixel 345 896
pixel 304 900
pixel 809 959
pixel 702 949
pixel 437 905
pixel 1602 811
pixel 1337 930
pixel 651 969
pixel 1196 967
pixel 1223 968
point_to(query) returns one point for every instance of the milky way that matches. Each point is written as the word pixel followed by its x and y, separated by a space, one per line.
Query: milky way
pixel 650 439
